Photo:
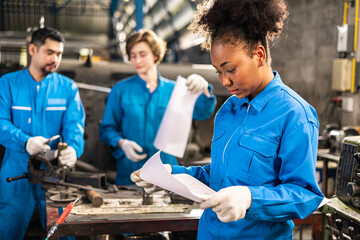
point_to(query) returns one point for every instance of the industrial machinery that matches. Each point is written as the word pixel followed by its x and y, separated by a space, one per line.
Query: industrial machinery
pixel 63 183
pixel 332 137
pixel 342 213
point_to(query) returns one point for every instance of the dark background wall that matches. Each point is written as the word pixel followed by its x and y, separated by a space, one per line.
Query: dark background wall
pixel 303 54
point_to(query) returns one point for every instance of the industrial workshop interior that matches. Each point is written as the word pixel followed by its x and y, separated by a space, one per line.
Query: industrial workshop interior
pixel 153 119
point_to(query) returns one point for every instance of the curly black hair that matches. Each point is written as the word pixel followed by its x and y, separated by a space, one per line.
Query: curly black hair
pixel 250 22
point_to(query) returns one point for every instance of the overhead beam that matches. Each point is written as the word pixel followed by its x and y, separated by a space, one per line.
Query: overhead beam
pixel 139 14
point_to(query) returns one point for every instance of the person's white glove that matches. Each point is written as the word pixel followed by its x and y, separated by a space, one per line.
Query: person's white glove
pixel 196 83
pixel 229 204
pixel 148 187
pixel 131 148
pixel 67 157
pixel 36 145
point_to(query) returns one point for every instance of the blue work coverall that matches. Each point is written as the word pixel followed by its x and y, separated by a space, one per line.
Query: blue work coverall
pixel 270 145
pixel 29 108
pixel 133 113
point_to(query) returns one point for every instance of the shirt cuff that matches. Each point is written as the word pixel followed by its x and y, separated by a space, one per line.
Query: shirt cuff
pixel 178 169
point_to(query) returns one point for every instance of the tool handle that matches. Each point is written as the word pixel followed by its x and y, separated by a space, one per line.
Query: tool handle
pixel 10 179
pixel 94 197
pixel 65 213
pixel 61 146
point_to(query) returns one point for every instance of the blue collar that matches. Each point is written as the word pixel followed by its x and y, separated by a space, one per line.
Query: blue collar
pixel 265 95
pixel 43 81
pixel 142 82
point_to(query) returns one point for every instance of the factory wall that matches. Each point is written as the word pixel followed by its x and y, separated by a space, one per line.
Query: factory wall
pixel 304 54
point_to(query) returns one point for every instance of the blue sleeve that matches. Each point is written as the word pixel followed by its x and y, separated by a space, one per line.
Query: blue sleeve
pixel 73 122
pixel 110 125
pixel 11 137
pixel 298 194
pixel 200 173
pixel 204 106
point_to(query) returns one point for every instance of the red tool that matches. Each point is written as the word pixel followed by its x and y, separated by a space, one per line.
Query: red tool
pixel 61 218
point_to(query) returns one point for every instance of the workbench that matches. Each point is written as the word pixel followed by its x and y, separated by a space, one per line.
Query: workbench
pixel 115 224
pixel 326 156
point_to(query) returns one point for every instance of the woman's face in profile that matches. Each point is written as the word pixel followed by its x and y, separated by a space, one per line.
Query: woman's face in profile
pixel 142 58
pixel 237 71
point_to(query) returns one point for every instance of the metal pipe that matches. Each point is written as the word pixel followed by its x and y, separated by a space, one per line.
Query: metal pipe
pixel 355 45
pixel 356 25
pixel 345 12
pixel 139 13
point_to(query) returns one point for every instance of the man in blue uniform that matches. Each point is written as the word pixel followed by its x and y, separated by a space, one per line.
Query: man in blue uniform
pixel 35 104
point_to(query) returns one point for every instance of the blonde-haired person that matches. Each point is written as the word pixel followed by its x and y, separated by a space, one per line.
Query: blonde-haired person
pixel 263 152
pixel 136 106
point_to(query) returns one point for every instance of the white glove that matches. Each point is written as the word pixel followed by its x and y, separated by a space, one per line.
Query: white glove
pixel 67 157
pixel 131 148
pixel 229 204
pixel 148 187
pixel 36 145
pixel 196 83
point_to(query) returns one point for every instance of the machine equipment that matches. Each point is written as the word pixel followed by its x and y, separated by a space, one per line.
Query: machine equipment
pixel 342 213
pixel 62 182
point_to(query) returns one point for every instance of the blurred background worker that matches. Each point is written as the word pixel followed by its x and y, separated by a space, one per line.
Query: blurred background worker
pixel 35 104
pixel 263 152
pixel 136 106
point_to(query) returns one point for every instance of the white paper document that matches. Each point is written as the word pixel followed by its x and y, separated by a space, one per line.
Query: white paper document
pixel 323 202
pixel 185 185
pixel 175 126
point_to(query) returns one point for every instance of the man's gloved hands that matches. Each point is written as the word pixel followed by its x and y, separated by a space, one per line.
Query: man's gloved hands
pixel 196 83
pixel 229 204
pixel 67 157
pixel 131 148
pixel 36 145
pixel 148 187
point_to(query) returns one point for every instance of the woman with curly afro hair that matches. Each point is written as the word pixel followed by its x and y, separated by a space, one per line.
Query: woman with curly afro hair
pixel 264 147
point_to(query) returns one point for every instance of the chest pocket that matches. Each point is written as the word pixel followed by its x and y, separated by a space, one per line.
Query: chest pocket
pixel 259 144
pixel 54 118
pixel 22 118
pixel 256 157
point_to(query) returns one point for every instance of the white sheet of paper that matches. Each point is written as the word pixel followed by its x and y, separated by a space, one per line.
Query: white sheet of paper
pixel 185 185
pixel 175 126
pixel 323 202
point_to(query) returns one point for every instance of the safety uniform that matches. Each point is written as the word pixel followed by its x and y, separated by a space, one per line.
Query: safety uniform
pixel 29 108
pixel 270 145
pixel 133 113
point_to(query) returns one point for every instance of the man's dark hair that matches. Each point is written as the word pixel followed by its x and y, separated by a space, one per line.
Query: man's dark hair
pixel 39 36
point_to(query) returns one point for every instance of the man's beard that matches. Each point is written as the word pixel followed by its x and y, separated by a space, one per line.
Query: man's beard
pixel 46 72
